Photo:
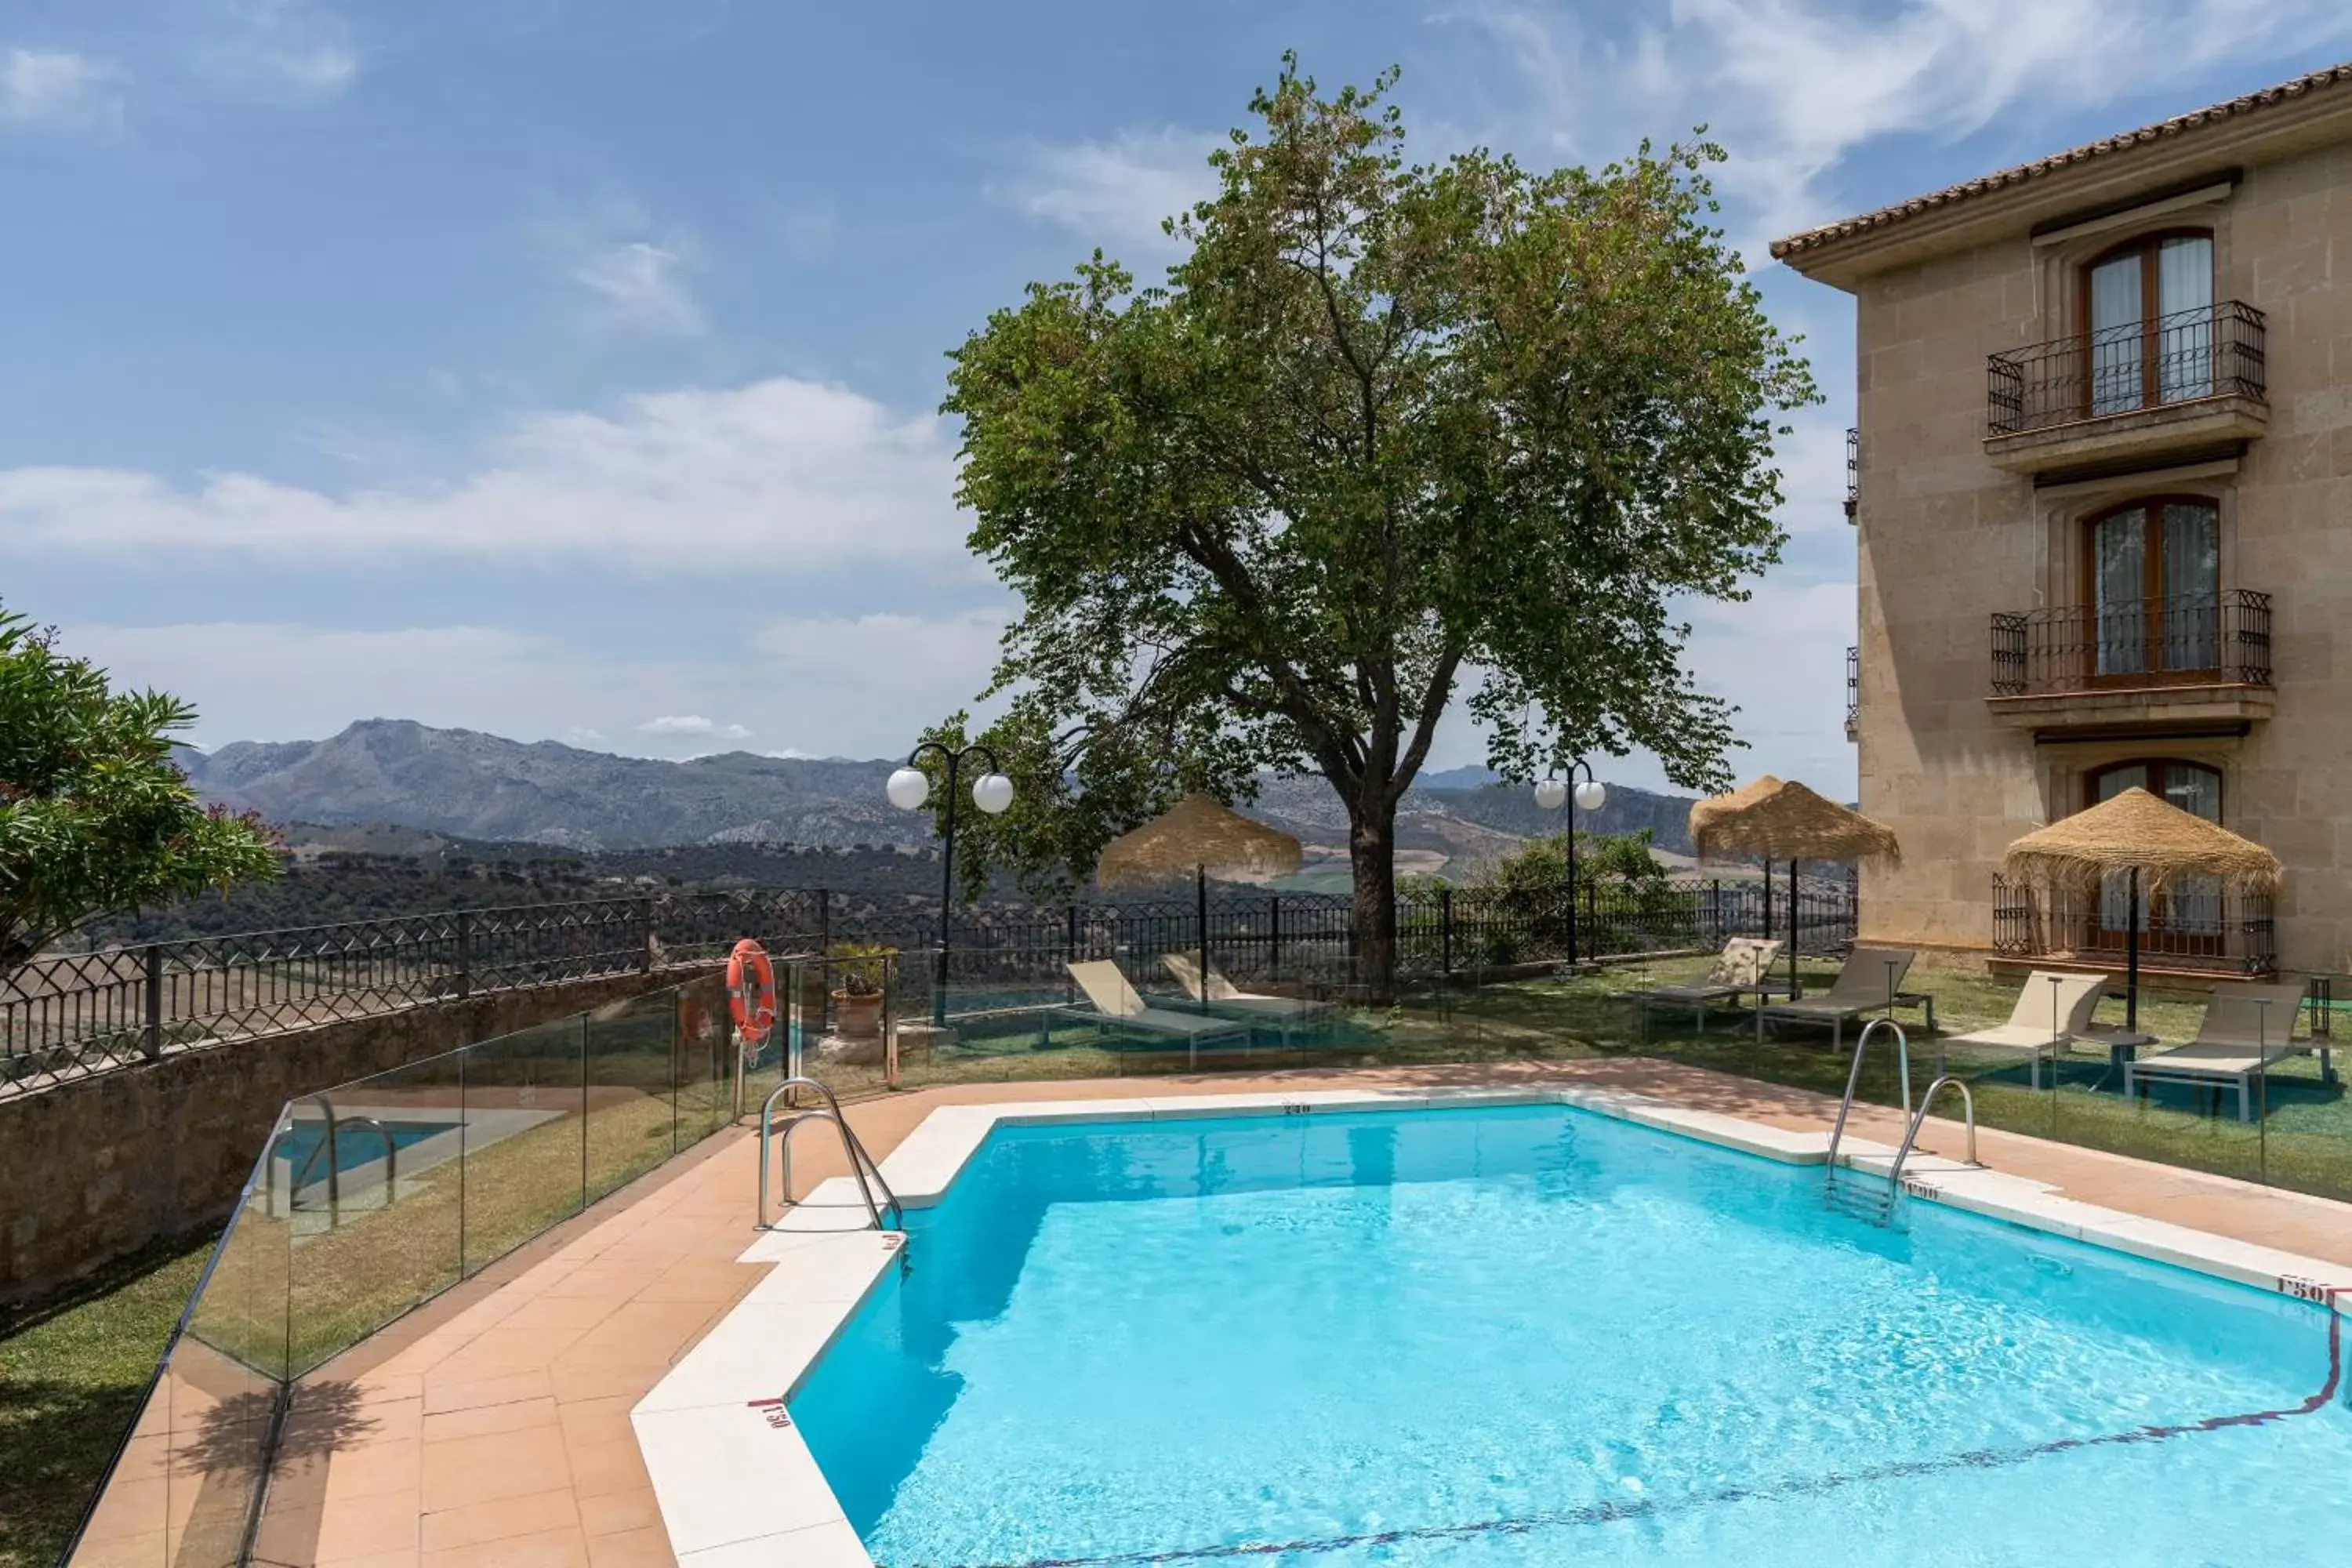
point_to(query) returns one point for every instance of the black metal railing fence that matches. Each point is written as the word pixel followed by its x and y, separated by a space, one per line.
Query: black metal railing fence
pixel 2222 637
pixel 2193 925
pixel 72 1014
pixel 2210 351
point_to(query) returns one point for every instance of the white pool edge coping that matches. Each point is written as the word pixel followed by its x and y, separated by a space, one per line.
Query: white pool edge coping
pixel 736 1483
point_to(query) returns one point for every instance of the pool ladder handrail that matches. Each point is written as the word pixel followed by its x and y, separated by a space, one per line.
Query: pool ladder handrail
pixel 1911 1136
pixel 327 1146
pixel 1854 1080
pixel 860 1163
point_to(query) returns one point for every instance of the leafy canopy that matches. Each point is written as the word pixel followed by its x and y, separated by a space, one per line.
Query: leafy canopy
pixel 1387 431
pixel 95 818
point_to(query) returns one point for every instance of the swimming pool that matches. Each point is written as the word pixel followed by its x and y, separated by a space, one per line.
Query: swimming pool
pixel 355 1146
pixel 1537 1335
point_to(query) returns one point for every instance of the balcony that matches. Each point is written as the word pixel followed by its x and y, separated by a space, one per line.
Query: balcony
pixel 1852 472
pixel 2196 660
pixel 2194 928
pixel 2176 386
pixel 1853 694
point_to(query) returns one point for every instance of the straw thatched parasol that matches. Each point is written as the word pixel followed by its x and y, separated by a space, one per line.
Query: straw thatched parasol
pixel 1778 819
pixel 2153 842
pixel 1198 834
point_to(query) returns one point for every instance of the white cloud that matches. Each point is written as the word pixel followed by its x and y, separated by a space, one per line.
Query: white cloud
pixel 1115 191
pixel 60 91
pixel 641 287
pixel 1794 87
pixel 785 472
pixel 283 50
pixel 692 724
pixel 863 686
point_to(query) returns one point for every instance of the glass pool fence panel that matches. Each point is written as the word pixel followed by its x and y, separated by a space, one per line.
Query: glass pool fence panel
pixel 374 1231
pixel 630 1123
pixel 702 1065
pixel 524 1136
pixel 183 1488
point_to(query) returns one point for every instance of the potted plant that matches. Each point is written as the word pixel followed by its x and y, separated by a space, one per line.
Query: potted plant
pixel 859 971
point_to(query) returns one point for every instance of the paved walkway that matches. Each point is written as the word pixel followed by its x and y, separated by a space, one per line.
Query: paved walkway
pixel 492 1427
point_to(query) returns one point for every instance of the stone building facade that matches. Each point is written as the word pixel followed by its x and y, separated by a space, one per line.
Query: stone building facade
pixel 2104 525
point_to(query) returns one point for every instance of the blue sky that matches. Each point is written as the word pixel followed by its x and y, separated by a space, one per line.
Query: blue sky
pixel 568 369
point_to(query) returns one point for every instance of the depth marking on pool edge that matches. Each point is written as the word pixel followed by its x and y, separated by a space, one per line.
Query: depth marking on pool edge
pixel 1769 1491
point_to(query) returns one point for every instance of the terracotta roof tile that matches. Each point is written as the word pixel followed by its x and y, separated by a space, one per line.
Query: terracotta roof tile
pixel 2252 102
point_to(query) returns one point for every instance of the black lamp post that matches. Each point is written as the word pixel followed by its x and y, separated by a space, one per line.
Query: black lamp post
pixel 1553 794
pixel 908 788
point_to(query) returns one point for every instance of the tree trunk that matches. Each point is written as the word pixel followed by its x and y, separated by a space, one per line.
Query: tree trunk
pixel 1372 855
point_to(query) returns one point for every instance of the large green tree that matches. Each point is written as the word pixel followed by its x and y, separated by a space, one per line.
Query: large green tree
pixel 95 817
pixel 1390 433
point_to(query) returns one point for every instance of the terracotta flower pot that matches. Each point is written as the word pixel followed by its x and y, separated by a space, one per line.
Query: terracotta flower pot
pixel 857 1018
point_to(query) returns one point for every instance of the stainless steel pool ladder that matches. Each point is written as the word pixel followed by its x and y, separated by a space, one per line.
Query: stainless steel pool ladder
pixel 1866 1202
pixel 327 1147
pixel 1911 1136
pixel 861 1163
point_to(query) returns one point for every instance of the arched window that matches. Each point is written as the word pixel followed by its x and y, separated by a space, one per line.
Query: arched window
pixel 2148 321
pixel 2154 568
pixel 2186 917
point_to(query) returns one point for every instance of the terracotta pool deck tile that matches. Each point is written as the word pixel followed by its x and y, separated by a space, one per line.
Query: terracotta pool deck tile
pixel 462 1471
pixel 444 1395
pixel 564 1311
pixel 372 1469
pixel 588 1381
pixel 645 1548
pixel 724 1282
pixel 601 1469
pixel 406 1559
pixel 484 1419
pixel 366 1526
pixel 617 1513
pixel 564 1547
pixel 599 1420
pixel 503 1352
pixel 501 1519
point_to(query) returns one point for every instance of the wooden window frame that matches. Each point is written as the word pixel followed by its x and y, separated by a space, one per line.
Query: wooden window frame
pixel 2148 243
pixel 2151 508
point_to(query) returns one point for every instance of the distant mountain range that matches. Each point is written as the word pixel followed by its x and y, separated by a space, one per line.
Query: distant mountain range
pixel 475 786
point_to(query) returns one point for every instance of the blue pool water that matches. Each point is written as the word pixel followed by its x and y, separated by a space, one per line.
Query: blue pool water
pixel 354 1146
pixel 1540 1336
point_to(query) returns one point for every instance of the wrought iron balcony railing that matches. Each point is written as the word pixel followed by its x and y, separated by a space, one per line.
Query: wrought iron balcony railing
pixel 1852 471
pixel 2195 924
pixel 2218 638
pixel 1853 694
pixel 2211 352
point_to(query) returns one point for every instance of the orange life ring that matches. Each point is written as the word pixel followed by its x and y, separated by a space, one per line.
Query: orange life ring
pixel 751 991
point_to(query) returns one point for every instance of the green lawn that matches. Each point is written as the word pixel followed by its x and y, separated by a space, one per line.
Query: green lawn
pixel 72 1372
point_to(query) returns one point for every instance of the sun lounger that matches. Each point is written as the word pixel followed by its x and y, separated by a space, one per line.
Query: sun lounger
pixel 2052 1010
pixel 1116 1005
pixel 1223 996
pixel 1743 966
pixel 1871 982
pixel 2246 1028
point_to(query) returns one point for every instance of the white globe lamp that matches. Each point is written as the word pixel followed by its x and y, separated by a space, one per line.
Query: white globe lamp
pixel 907 789
pixel 992 793
pixel 1551 794
pixel 1590 795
